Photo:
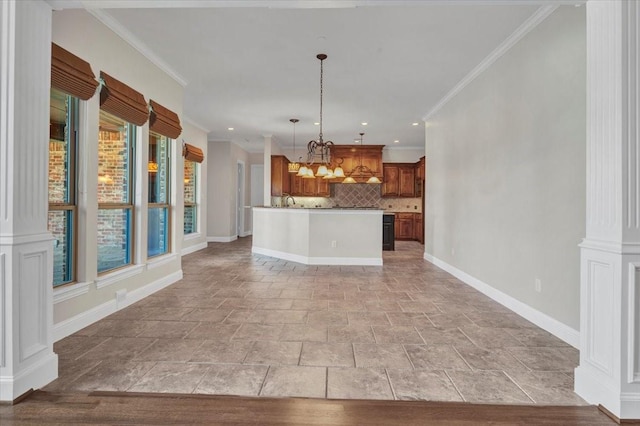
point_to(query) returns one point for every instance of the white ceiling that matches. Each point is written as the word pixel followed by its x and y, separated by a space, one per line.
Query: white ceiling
pixel 254 68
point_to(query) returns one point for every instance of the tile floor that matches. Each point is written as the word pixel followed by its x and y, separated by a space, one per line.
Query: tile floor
pixel 240 324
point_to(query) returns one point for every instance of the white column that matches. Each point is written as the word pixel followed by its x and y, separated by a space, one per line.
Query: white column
pixel 26 250
pixel 609 371
pixel 268 144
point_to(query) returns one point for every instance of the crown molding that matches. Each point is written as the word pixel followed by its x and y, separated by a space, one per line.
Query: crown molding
pixel 190 122
pixel 136 43
pixel 539 15
pixel 288 4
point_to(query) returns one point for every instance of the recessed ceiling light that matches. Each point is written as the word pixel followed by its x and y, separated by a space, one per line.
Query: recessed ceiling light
pixel 316 124
pixel 415 124
pixel 230 128
pixel 364 123
pixel 396 141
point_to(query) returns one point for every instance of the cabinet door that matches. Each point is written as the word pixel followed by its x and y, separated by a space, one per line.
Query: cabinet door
pixel 323 189
pixel 296 185
pixel 280 180
pixel 404 226
pixel 407 181
pixel 373 163
pixel 418 228
pixel 309 187
pixel 390 178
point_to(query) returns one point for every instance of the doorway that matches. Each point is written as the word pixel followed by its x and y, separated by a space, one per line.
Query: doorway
pixel 240 200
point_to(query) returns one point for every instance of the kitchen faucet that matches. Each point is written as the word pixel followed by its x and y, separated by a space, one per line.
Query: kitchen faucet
pixel 285 200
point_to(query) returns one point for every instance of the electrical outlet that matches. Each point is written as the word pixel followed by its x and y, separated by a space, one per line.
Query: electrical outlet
pixel 121 296
pixel 538 285
pixel 453 251
pixel 334 244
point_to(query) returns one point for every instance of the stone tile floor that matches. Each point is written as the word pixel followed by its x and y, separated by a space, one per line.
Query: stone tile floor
pixel 242 324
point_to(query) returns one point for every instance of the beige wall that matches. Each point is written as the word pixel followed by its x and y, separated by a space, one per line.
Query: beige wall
pixel 222 188
pixel 505 187
pixel 83 35
pixel 198 137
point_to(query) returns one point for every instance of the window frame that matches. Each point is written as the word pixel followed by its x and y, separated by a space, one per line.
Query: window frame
pixel 130 206
pixel 166 205
pixel 194 204
pixel 71 205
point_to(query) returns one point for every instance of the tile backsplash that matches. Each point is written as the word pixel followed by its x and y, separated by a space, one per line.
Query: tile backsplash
pixel 356 195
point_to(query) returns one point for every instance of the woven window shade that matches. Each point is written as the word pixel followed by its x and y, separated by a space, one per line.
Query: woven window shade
pixel 122 101
pixel 71 74
pixel 164 121
pixel 192 153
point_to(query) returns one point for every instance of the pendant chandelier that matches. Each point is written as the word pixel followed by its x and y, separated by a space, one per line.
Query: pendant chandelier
pixel 294 167
pixel 318 150
pixel 360 169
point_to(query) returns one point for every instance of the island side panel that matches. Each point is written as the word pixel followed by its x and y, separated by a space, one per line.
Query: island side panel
pixel 357 236
pixel 282 233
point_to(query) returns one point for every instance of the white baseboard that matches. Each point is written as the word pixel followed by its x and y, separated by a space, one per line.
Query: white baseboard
pixel 69 326
pixel 306 260
pixel 542 320
pixel 194 248
pixel 37 375
pixel 222 239
pixel 246 234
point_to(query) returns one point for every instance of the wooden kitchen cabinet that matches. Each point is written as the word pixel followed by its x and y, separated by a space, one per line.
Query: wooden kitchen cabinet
pixel 398 180
pixel 404 226
pixel 351 156
pixel 280 176
pixel 420 168
pixel 407 181
pixel 390 180
pixel 418 227
pixel 316 187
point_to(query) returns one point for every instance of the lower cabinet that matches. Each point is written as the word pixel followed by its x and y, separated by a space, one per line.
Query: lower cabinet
pixel 418 228
pixel 404 226
pixel 409 226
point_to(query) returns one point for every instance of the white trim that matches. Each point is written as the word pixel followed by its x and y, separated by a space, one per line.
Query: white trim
pixel 69 326
pixel 118 275
pixel 222 239
pixel 289 4
pixel 136 43
pixel 542 320
pixel 306 260
pixel 42 372
pixel 14 240
pixel 246 233
pixel 66 292
pixel 191 236
pixel 540 15
pixel 190 122
pixel 194 248
pixel 614 247
pixel 156 262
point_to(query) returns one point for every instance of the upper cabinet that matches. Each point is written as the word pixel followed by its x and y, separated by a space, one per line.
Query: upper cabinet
pixel 316 187
pixel 280 180
pixel 399 180
pixel 351 156
pixel 390 180
pixel 407 181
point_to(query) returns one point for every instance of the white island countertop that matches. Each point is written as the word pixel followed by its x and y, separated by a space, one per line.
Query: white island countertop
pixel 319 236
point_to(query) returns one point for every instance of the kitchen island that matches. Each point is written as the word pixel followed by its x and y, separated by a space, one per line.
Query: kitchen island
pixel 318 236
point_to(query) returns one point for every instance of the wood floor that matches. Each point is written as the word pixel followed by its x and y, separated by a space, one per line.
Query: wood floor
pixel 116 408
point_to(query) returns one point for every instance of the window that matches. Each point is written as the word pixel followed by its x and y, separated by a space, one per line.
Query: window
pixel 115 192
pixel 190 206
pixel 62 184
pixel 159 212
